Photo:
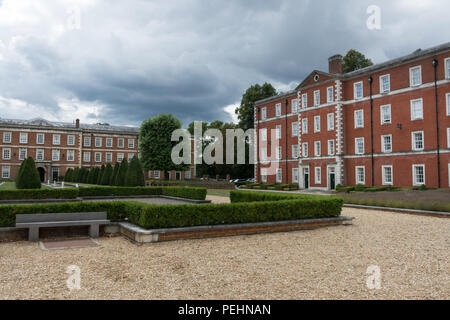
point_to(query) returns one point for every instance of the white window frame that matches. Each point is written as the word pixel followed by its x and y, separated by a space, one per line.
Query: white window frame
pixel 278 132
pixel 415 183
pixel 98 142
pixel 25 155
pixel 43 138
pixel 317 148
pixel 331 147
pixel 68 140
pixel 279 175
pixel 120 143
pixel 316 124
pixel 109 157
pixel 264 113
pixel 109 142
pixel 330 121
pixel 40 152
pixel 295 151
pixel 382 120
pixel 413 141
pixel 305 126
pixel 411 84
pixel 6 172
pixel 56 139
pixel 448 103
pixel 23 141
pixel 317 98
pixel 304 100
pixel 388 76
pixel 447 68
pixel 356 145
pixel 88 140
pixel 383 174
pixel 355 92
pixel 131 145
pixel 56 152
pixel 295 175
pixel 305 149
pixel 294 105
pixel 86 157
pixel 295 129
pixel 4 137
pixel 318 175
pixel 157 174
pixel 357 125
pixel 264 134
pixel 279 154
pixel 278 110
pixel 413 115
pixel 120 157
pixel 73 155
pixel 8 150
pixel 448 138
pixel 357 181
pixel 100 157
pixel 330 99
pixel 383 144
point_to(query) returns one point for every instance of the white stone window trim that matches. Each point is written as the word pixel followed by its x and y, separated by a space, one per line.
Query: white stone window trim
pixel 356 145
pixel 382 120
pixel 355 92
pixel 414 117
pixel 413 140
pixel 388 76
pixel 357 176
pixel 411 84
pixel 383 145
pixel 415 182
pixel 383 173
pixel 356 112
pixel 6 134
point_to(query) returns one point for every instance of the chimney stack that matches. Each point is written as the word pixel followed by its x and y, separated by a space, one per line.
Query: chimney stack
pixel 335 64
pixel 77 123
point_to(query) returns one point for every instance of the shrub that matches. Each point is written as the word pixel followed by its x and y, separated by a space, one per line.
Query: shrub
pixel 68 176
pixel 106 177
pixel 135 173
pixel 66 193
pixel 120 179
pixel 114 174
pixel 95 175
pixel 187 193
pixel 29 176
pixel 100 175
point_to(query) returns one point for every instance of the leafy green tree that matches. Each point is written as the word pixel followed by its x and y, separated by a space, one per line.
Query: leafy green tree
pixel 100 175
pixel 29 177
pixel 135 174
pixel 120 179
pixel 246 110
pixel 155 143
pixel 106 177
pixel 114 174
pixel 355 60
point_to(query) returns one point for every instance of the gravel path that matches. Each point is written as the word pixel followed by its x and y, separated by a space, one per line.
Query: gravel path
pixel 412 252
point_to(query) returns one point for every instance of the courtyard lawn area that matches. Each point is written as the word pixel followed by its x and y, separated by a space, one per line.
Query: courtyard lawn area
pixel 330 263
pixel 12 186
pixel 219 193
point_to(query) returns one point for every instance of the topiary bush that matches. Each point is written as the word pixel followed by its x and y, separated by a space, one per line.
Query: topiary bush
pixel 135 173
pixel 106 177
pixel 120 179
pixel 28 177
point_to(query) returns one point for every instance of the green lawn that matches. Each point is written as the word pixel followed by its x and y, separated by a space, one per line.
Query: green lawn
pixel 219 192
pixel 12 186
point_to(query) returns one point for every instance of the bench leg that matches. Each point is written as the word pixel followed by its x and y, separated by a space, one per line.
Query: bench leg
pixel 94 230
pixel 33 234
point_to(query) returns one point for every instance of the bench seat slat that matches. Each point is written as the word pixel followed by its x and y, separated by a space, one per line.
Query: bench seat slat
pixel 61 223
pixel 53 217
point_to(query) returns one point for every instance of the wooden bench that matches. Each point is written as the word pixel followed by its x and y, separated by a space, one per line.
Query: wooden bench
pixel 47 220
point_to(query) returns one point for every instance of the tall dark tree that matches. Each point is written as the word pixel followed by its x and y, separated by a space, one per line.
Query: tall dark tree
pixel 155 143
pixel 29 177
pixel 246 110
pixel 114 174
pixel 90 176
pixel 95 175
pixel 120 179
pixel 68 176
pixel 100 175
pixel 135 174
pixel 106 175
pixel 355 60
pixel 19 173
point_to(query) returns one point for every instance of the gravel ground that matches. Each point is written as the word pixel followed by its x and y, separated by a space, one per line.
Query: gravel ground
pixel 330 263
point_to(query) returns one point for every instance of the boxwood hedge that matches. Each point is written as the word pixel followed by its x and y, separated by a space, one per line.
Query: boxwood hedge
pixel 246 207
pixel 38 194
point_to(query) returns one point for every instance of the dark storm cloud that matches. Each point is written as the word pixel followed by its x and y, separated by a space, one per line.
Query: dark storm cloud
pixel 136 59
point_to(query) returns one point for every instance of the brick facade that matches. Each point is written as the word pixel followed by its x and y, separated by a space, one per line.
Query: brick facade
pixel 359 133
pixel 57 146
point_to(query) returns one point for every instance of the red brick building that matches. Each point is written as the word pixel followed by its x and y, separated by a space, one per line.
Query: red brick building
pixel 58 146
pixel 388 124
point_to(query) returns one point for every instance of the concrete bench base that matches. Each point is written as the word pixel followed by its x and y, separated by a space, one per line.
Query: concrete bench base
pixel 141 235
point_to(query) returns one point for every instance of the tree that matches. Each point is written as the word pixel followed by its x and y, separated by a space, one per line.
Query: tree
pixel 100 175
pixel 246 110
pixel 120 179
pixel 95 175
pixel 68 176
pixel 80 174
pixel 355 60
pixel 114 174
pixel 135 174
pixel 106 175
pixel 155 143
pixel 19 173
pixel 29 176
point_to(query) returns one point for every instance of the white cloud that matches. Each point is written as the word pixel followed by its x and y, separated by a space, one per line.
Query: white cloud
pixel 230 109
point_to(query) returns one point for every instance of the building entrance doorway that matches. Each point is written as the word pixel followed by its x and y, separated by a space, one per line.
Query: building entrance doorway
pixel 332 178
pixel 41 174
pixel 306 177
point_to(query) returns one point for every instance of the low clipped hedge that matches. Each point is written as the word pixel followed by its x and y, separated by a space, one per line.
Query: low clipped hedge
pixel 278 187
pixel 38 194
pixel 259 207
pixel 72 193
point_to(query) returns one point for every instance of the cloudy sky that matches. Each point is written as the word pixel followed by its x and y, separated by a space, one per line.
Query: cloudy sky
pixel 123 61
